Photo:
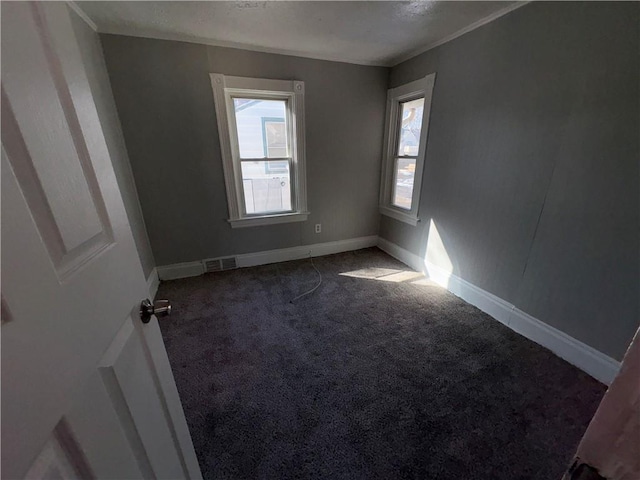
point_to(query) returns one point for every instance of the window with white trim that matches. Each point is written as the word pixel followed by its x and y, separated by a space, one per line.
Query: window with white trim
pixel 261 129
pixel 408 108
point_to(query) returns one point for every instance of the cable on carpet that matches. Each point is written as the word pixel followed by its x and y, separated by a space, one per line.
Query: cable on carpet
pixel 314 288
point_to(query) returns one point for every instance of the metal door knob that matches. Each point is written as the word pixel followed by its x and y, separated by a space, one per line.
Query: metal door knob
pixel 161 308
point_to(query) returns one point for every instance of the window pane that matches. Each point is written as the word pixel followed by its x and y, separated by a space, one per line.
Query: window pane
pixel 261 126
pixel 267 186
pixel 275 137
pixel 403 188
pixel 410 126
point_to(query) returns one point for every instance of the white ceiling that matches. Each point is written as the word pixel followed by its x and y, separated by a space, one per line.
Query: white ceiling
pixel 367 33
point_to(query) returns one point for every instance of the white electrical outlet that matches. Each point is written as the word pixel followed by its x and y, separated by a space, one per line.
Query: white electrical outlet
pixel 318 227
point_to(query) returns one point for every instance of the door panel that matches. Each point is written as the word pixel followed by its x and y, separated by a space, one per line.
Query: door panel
pixel 74 353
pixel 126 374
pixel 57 178
pixel 61 457
pixel 94 412
pixel 62 168
pixel 152 336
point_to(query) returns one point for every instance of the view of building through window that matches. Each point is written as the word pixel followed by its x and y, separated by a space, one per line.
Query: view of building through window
pixel 408 147
pixel 263 135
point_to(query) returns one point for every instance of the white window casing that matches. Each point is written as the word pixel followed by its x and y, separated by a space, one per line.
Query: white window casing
pixel 225 88
pixel 421 88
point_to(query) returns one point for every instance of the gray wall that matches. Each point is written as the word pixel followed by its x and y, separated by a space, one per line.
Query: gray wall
pixel 164 98
pixel 531 172
pixel 91 51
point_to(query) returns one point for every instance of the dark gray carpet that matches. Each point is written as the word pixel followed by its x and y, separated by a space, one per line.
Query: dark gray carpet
pixel 364 379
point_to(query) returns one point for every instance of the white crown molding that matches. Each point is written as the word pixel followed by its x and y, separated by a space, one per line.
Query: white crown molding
pixel 180 37
pixel 483 21
pixel 76 8
pixel 586 358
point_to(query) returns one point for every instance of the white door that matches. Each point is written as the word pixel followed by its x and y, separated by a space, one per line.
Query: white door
pixel 87 391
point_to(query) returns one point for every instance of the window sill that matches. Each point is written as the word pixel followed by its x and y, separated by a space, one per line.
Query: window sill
pixel 268 220
pixel 398 215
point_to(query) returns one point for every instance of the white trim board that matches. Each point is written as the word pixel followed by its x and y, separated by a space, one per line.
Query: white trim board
pixel 581 355
pixel 180 270
pixel 192 269
pixel 305 251
pixel 153 282
pixel 405 256
pixel 76 8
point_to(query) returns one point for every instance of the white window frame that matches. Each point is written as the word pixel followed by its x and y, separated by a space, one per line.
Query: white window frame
pixel 422 88
pixel 224 89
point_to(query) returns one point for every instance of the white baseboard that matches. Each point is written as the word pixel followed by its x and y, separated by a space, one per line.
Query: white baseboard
pixel 192 269
pixel 153 282
pixel 304 251
pixel 180 270
pixel 405 256
pixel 588 359
pixel 595 363
pixel 485 301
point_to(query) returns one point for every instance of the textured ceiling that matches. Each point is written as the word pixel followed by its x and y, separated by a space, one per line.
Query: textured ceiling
pixel 368 33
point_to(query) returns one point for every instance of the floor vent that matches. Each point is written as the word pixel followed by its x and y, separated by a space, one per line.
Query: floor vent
pixel 228 263
pixel 219 264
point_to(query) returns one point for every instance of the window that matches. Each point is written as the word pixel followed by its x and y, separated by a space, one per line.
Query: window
pixel 261 128
pixel 408 110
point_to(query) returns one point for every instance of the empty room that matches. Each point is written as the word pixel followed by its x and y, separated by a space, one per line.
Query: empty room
pixel 320 240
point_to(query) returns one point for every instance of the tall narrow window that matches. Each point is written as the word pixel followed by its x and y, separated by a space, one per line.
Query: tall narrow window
pixel 407 153
pixel 263 144
pixel 261 129
pixel 408 109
